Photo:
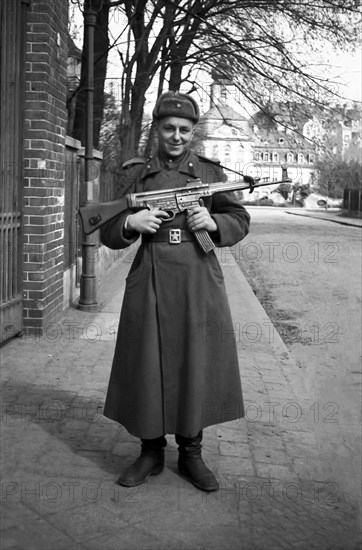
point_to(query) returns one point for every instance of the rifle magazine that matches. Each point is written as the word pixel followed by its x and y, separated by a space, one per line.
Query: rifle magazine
pixel 204 240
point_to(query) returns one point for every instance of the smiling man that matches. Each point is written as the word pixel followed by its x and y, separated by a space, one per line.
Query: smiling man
pixel 175 368
pixel 174 135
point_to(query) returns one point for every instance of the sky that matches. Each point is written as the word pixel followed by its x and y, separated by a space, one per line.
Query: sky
pixel 346 67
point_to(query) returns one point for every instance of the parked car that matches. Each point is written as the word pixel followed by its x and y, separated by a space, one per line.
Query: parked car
pixel 315 200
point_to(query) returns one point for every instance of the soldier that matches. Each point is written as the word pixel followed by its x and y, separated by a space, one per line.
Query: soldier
pixel 170 375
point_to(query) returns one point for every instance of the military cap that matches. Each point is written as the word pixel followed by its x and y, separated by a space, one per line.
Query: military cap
pixel 176 104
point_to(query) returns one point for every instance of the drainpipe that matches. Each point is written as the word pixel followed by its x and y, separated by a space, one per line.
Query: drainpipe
pixel 88 282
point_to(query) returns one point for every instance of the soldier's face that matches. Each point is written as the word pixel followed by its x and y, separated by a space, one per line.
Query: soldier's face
pixel 174 135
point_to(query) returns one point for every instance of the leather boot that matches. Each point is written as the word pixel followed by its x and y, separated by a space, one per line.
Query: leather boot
pixel 149 463
pixel 191 465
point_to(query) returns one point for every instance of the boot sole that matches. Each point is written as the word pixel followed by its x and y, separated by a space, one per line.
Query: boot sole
pixel 155 472
pixel 185 474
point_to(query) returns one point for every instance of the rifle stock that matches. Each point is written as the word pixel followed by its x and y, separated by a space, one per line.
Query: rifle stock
pixel 94 215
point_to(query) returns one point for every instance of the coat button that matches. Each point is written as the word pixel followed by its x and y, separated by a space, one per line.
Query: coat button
pixel 148 166
pixel 191 164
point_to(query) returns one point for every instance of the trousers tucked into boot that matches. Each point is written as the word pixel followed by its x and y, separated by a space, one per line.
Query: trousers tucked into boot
pixel 149 463
pixel 191 465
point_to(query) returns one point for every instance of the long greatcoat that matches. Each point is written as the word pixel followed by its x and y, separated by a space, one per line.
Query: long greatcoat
pixel 175 366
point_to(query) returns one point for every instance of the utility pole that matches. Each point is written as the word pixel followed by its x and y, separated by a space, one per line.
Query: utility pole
pixel 88 282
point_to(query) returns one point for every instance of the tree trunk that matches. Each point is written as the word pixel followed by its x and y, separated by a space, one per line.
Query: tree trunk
pixel 151 140
pixel 131 127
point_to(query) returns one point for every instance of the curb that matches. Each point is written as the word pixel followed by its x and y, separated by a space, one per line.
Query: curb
pixel 317 217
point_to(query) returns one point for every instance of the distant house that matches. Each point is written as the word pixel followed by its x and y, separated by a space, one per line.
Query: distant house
pixel 343 132
pixel 285 143
pixel 227 137
pixel 223 133
pixel 259 146
pixel 256 146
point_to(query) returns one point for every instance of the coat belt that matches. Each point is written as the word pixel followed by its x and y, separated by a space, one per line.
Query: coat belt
pixel 171 236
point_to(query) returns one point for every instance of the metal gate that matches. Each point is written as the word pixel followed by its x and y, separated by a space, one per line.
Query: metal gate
pixel 12 78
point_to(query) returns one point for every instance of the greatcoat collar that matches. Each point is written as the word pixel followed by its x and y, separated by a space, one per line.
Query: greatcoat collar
pixel 188 165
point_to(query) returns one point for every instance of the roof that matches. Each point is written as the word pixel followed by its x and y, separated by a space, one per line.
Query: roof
pixel 222 112
pixel 73 51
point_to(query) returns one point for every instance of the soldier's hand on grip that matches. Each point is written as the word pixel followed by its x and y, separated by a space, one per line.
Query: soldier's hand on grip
pixel 146 221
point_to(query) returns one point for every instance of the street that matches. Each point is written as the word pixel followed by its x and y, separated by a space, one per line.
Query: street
pixel 307 275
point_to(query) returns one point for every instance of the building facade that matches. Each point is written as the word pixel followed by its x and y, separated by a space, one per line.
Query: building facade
pixel 33 127
pixel 223 133
pixel 260 146
pixel 41 170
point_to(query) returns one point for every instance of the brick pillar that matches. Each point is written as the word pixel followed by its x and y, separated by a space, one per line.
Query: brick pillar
pixel 44 161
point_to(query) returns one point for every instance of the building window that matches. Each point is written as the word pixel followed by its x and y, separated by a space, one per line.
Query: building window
pixel 241 153
pixel 200 150
pixel 224 95
pixel 266 157
pixel 275 157
pixel 290 158
pixel 227 152
pixel 311 159
pixel 300 158
pixel 215 151
pixel 257 157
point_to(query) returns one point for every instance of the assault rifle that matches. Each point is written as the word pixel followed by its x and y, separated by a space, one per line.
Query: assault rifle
pixel 172 201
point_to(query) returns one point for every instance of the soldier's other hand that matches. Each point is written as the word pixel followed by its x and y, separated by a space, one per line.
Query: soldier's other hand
pixel 199 218
pixel 146 221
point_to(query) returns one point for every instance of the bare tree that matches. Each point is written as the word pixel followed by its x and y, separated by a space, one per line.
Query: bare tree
pixel 260 45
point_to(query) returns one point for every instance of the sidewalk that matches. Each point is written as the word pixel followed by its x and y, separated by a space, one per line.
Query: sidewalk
pixel 334 216
pixel 61 457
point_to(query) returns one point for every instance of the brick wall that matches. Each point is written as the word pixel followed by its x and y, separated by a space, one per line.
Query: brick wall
pixel 44 161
